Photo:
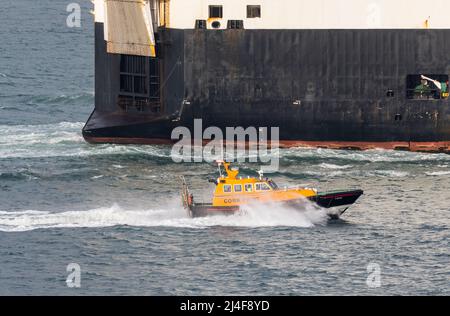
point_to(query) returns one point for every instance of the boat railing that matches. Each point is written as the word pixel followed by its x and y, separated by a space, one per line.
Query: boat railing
pixel 186 196
pixel 128 104
pixel 300 187
pixel 431 94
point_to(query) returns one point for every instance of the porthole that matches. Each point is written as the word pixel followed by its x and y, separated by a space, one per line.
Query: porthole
pixel 215 24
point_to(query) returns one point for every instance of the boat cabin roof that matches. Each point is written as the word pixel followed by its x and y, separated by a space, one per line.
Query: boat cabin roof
pixel 231 183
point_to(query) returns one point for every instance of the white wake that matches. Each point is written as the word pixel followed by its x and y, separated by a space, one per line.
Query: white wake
pixel 254 216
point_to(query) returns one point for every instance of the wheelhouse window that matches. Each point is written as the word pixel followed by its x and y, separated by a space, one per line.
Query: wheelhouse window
pixel 427 87
pixel 238 188
pixel 273 184
pixel 227 188
pixel 215 11
pixel 249 187
pixel 262 187
pixel 253 11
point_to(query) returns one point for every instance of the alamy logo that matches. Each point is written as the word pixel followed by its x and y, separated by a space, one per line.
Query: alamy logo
pixel 74 18
pixel 374 279
pixel 373 15
pixel 74 278
pixel 238 144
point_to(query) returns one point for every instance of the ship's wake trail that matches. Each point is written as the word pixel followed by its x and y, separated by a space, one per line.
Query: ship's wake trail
pixel 172 216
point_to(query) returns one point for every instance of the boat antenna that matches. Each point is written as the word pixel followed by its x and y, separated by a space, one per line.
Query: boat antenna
pixel 219 164
pixel 261 174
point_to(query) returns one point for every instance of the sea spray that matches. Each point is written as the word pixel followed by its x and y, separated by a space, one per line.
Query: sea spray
pixel 172 215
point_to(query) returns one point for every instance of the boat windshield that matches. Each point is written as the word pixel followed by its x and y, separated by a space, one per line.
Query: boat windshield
pixel 272 184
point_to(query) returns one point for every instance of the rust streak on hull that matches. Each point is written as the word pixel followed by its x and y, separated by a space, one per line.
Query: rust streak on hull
pixel 430 147
pixel 437 147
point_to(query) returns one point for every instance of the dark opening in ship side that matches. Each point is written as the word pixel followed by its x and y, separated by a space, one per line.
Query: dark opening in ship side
pixel 353 82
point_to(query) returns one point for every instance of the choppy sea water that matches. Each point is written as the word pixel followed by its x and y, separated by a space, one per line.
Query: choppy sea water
pixel 115 210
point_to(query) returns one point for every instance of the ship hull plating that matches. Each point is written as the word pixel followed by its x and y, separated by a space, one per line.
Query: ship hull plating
pixel 323 88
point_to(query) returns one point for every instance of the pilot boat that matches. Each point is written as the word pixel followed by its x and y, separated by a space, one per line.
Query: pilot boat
pixel 233 193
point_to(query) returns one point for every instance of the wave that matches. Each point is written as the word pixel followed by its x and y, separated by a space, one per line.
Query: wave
pixel 5 80
pixel 254 216
pixel 368 156
pixel 21 174
pixel 324 174
pixel 390 173
pixel 65 139
pixel 333 166
pixel 51 103
pixel 61 140
pixel 63 99
pixel 23 141
pixel 438 173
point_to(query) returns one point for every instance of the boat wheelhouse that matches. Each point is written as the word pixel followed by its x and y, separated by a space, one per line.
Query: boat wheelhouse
pixel 233 194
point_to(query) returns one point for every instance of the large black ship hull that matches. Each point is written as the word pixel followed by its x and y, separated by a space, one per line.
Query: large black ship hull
pixel 328 88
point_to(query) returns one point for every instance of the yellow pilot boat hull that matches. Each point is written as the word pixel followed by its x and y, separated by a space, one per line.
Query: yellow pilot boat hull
pixel 233 194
